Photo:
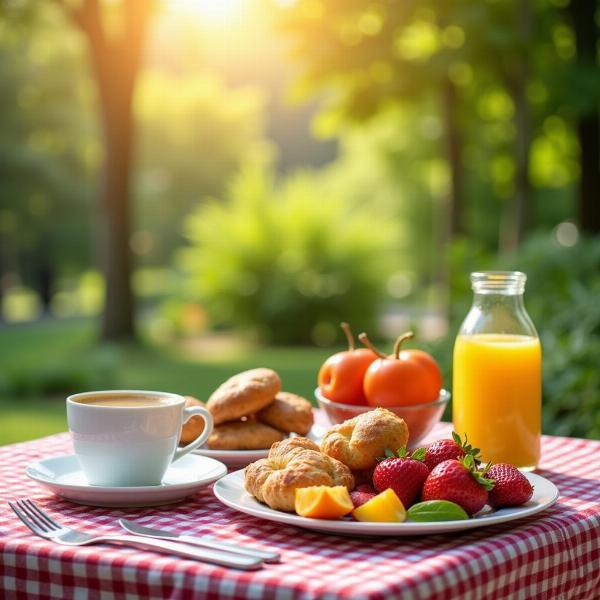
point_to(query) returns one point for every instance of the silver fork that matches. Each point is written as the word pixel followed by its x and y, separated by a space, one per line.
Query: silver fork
pixel 45 526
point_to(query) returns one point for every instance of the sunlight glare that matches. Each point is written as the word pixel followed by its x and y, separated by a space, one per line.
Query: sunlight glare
pixel 207 11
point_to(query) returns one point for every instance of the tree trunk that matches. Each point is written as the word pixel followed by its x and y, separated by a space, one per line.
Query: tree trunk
pixel 118 315
pixel 583 14
pixel 517 217
pixel 518 212
pixel 588 132
pixel 452 218
pixel 454 157
pixel 116 58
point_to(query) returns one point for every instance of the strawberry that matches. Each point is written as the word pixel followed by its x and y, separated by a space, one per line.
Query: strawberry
pixel 512 487
pixel 365 487
pixel 404 474
pixel 441 450
pixel 361 495
pixel 458 481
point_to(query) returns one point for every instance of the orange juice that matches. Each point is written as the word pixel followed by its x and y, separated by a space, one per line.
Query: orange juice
pixel 497 396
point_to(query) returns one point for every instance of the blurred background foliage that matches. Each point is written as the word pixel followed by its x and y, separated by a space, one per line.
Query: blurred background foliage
pixel 296 163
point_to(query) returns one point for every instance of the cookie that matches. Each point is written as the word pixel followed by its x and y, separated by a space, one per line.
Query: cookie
pixel 243 394
pixel 243 435
pixel 195 426
pixel 289 413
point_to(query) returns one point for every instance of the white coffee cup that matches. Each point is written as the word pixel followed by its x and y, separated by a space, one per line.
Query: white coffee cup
pixel 130 437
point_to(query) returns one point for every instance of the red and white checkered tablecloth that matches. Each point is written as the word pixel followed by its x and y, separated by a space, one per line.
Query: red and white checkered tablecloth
pixel 555 555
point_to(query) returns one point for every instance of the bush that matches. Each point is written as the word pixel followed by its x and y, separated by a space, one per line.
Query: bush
pixel 288 260
pixel 562 294
pixel 97 370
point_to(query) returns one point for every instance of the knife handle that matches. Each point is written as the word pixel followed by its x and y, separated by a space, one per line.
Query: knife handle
pixel 226 559
pixel 210 542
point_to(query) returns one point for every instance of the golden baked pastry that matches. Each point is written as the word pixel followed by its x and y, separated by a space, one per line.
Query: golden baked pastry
pixel 243 394
pixel 195 426
pixel 243 435
pixel 360 441
pixel 289 413
pixel 293 463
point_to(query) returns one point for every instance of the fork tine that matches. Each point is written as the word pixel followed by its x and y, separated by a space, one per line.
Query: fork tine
pixel 23 517
pixel 42 515
pixel 40 523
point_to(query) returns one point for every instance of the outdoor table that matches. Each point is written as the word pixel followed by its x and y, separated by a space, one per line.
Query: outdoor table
pixel 555 554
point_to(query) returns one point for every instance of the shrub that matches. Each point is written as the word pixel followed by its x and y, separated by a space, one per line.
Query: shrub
pixel 288 260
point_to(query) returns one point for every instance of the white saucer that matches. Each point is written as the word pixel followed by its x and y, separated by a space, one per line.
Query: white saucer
pixel 238 459
pixel 63 476
pixel 230 490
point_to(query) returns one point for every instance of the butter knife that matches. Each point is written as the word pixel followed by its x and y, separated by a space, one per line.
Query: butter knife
pixel 203 541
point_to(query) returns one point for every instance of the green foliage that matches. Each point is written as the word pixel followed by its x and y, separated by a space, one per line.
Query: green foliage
pixel 562 294
pixel 288 259
pixel 194 134
pixel 46 148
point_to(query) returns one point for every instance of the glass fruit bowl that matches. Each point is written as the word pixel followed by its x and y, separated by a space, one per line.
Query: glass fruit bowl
pixel 420 418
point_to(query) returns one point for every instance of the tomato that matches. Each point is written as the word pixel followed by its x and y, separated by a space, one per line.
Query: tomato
pixel 341 375
pixel 406 377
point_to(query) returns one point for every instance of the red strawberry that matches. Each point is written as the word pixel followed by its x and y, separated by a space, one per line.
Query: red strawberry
pixel 404 474
pixel 359 497
pixel 512 487
pixel 441 450
pixel 365 487
pixel 460 482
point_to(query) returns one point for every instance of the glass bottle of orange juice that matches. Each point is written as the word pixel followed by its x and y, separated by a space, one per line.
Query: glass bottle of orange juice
pixel 497 372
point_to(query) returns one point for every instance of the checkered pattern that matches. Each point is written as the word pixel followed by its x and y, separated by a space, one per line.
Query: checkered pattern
pixel 554 555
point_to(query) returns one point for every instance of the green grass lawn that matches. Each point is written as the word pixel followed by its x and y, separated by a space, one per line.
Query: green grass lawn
pixel 41 363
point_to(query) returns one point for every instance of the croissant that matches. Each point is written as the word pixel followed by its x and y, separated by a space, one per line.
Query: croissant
pixel 360 441
pixel 293 463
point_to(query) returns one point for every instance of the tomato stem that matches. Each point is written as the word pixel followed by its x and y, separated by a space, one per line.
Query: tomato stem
pixel 346 329
pixel 401 339
pixel 367 342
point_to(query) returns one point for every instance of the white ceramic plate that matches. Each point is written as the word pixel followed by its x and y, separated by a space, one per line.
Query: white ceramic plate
pixel 238 459
pixel 63 476
pixel 230 491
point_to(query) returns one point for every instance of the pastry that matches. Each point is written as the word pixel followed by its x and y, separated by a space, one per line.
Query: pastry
pixel 289 413
pixel 195 426
pixel 243 435
pixel 360 441
pixel 293 463
pixel 243 394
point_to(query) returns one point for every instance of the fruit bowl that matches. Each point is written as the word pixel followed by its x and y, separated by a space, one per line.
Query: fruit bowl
pixel 420 418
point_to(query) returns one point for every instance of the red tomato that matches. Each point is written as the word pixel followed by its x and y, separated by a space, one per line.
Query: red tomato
pixel 404 378
pixel 341 375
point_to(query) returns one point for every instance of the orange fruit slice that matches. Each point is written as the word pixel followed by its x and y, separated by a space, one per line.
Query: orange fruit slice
pixel 323 502
pixel 385 507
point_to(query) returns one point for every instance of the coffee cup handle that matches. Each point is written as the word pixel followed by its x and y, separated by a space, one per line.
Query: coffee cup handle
pixel 188 413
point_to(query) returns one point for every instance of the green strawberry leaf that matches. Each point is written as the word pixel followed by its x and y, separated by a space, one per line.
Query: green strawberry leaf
pixel 402 452
pixel 436 510
pixel 469 461
pixel 479 475
pixel 481 479
pixel 389 453
pixel 467 448
pixel 419 454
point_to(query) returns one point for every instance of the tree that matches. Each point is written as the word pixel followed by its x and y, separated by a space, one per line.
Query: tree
pixel 116 57
pixel 583 14
pixel 46 180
